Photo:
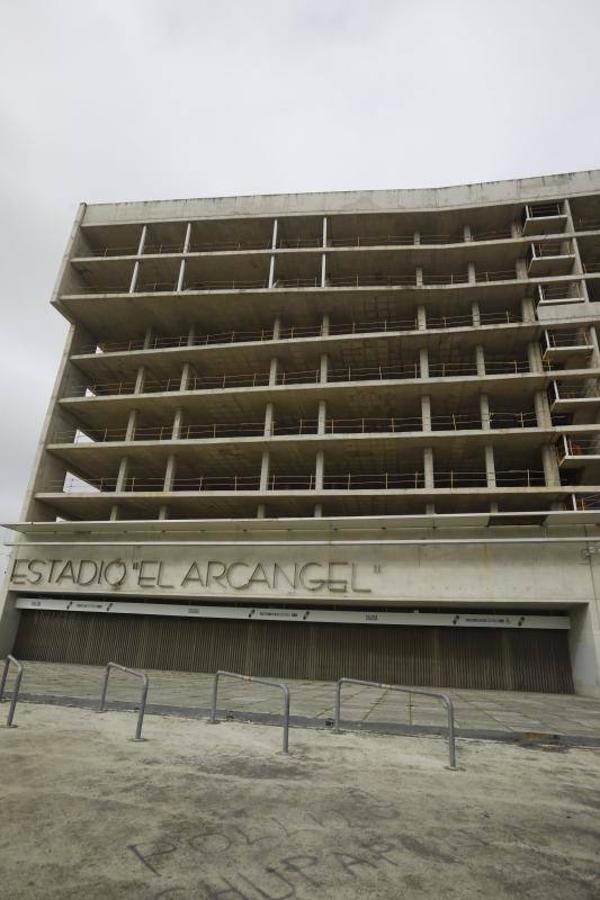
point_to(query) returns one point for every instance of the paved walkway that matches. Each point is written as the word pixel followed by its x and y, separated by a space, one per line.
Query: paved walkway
pixel 477 711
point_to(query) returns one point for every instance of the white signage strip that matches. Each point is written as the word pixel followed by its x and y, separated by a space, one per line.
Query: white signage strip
pixel 349 617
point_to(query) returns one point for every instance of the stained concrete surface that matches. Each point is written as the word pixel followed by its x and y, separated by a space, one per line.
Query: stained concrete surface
pixel 206 811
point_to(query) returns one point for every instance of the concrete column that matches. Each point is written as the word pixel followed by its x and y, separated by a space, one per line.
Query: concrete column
pixel 490 468
pixel 595 359
pixel 323 270
pixel 419 276
pixel 181 276
pixel 185 377
pixel 426 413
pixel 542 410
pixel 424 362
pixel 148 338
pixel 191 336
pixel 322 417
pixel 550 464
pixel 416 238
pixel 493 507
pixel 269 420
pixel 318 511
pixel 134 277
pixel 114 512
pixel 131 423
pixel 122 474
pixel 319 470
pixel 484 409
pixel 527 309
pixel 170 473
pixel 325 325
pixel 428 469
pixel 163 512
pixel 188 238
pixel 584 638
pixel 475 314
pixel 421 318
pixel 273 371
pixel 515 230
pixel 277 328
pixel 139 380
pixel 274 234
pixel 430 509
pixel 471 273
pixel 265 465
pixel 177 424
pixel 271 272
pixel 534 357
pixel 323 368
pixel 480 360
pixel 324 231
pixel 467 233
pixel 521 269
pixel 261 511
pixel 142 241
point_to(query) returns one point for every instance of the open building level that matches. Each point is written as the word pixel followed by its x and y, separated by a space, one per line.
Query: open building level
pixel 323 435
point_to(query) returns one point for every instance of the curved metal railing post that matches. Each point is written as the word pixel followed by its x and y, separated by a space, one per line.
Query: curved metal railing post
pixel 281 685
pixel 145 685
pixel 15 694
pixel 443 698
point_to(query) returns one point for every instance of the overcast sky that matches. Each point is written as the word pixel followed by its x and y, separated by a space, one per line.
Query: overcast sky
pixel 106 100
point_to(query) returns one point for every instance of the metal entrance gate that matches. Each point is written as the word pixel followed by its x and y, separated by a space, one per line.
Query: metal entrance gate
pixel 496 659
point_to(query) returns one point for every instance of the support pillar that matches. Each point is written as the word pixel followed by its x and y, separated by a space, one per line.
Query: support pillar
pixel 322 417
pixel 271 281
pixel 177 424
pixel 139 380
pixel 542 410
pixel 131 425
pixel 484 411
pixel 424 362
pixel 269 420
pixel 534 357
pixel 475 314
pixel 319 470
pixel 426 413
pixel 325 325
pixel 273 372
pixel 122 475
pixel 323 270
pixel 471 273
pixel 169 473
pixel 277 329
pixel 428 469
pixel 323 368
pixel 490 468
pixel 421 318
pixel 550 463
pixel 265 465
pixel 185 377
pixel 480 360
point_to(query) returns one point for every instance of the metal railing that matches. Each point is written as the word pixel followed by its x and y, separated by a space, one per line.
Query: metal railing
pixel 280 685
pixel 573 447
pixel 557 340
pixel 17 687
pixel 145 685
pixel 501 275
pixel 549 250
pixel 542 210
pixel 298 332
pixel 332 481
pixel 553 293
pixel 443 698
pixel 302 426
pixel 351 280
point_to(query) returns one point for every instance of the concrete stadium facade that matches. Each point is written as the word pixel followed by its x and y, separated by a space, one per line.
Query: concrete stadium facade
pixel 315 435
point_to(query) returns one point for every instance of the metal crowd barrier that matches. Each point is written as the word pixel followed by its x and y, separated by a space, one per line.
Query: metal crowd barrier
pixel 443 698
pixel 145 684
pixel 15 694
pixel 281 685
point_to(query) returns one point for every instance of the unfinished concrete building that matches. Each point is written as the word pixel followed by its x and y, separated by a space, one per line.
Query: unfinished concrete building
pixel 325 434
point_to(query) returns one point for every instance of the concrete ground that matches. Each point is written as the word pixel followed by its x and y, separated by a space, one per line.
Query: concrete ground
pixel 204 811
pixel 477 712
